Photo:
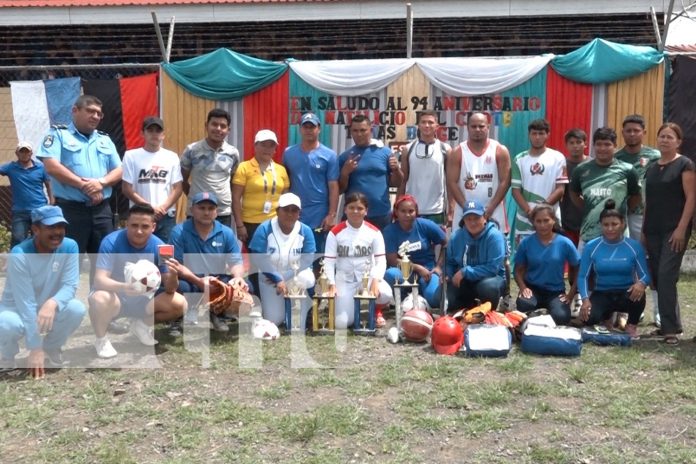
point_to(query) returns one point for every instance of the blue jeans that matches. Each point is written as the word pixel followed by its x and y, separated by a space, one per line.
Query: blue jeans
pixel 430 290
pixel 164 227
pixel 21 226
pixel 67 320
pixel 560 312
pixel 488 289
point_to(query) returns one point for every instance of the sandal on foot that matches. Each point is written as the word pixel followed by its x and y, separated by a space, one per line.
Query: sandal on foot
pixel 670 340
pixel 380 321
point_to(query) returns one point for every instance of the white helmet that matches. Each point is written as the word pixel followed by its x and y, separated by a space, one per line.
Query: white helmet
pixel 263 329
pixel 407 303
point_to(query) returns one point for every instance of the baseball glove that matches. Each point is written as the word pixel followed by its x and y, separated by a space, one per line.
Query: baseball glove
pixel 230 299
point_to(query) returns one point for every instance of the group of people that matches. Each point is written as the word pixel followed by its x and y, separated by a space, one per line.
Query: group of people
pixel 285 215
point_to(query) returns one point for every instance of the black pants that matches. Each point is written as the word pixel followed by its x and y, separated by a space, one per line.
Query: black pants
pixel 605 303
pixel 664 271
pixel 87 225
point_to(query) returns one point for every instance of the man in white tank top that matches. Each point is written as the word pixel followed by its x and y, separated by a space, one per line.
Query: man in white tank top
pixel 423 165
pixel 479 169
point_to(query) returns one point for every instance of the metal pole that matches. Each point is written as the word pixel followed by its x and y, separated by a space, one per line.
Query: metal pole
pixel 409 30
pixel 160 40
pixel 656 26
pixel 170 38
pixel 667 23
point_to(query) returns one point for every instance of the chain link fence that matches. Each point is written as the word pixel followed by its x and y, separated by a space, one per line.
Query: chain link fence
pixel 8 133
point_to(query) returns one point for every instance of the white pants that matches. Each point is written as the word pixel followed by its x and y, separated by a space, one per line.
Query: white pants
pixel 345 306
pixel 635 226
pixel 273 305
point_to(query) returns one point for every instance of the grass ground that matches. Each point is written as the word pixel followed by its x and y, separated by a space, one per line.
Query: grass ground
pixel 369 402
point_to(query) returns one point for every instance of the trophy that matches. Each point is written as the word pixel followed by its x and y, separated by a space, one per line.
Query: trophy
pixel 364 299
pixel 323 324
pixel 406 267
pixel 293 302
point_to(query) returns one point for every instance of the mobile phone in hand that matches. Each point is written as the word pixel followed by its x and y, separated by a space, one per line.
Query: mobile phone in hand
pixel 165 252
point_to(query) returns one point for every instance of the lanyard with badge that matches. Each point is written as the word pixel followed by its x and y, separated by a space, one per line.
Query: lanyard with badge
pixel 268 203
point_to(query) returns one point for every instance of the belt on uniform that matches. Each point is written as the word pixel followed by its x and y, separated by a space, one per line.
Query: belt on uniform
pixel 79 204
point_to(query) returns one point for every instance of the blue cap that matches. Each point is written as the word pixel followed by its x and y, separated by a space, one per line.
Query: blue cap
pixel 204 196
pixel 48 215
pixel 309 118
pixel 473 207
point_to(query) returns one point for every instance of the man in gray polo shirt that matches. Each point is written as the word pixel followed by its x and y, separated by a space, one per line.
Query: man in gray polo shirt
pixel 209 164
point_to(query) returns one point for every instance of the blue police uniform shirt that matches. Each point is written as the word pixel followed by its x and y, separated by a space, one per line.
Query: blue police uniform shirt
pixel 27 185
pixel 310 174
pixel 37 277
pixel 371 177
pixel 545 263
pixel 205 256
pixel 115 251
pixel 421 238
pixel 89 157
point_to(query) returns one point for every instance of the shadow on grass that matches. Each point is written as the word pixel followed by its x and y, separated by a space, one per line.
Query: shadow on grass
pixel 683 354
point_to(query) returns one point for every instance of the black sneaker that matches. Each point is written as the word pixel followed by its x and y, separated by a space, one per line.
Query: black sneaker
pixel 175 328
pixel 54 360
pixel 119 328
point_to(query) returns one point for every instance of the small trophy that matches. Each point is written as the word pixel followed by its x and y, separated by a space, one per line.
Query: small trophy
pixel 406 267
pixel 363 298
pixel 320 301
pixel 293 303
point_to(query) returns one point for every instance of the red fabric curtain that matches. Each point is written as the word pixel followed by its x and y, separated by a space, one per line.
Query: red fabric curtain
pixel 568 106
pixel 267 109
pixel 138 100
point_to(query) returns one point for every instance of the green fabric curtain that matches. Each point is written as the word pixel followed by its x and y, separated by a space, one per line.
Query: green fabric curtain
pixel 224 74
pixel 601 61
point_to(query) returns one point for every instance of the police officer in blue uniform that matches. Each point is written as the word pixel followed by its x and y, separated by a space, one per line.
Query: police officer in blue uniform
pixel 83 164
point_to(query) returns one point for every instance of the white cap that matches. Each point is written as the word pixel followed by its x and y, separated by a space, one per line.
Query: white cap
pixel 265 134
pixel 288 199
pixel 24 144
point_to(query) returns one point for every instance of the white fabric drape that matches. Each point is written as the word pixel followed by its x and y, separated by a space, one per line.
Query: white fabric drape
pixel 30 111
pixel 480 76
pixel 456 76
pixel 351 77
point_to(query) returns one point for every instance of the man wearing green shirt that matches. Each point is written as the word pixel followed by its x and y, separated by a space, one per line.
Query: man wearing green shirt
pixel 640 157
pixel 599 179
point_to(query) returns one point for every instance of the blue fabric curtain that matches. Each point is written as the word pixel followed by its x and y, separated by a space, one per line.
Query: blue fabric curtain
pixel 299 88
pixel 601 61
pixel 224 74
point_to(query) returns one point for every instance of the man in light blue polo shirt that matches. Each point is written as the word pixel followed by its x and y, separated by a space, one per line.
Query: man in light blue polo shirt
pixel 83 164
pixel 27 180
pixel 38 302
pixel 313 171
pixel 370 168
pixel 205 247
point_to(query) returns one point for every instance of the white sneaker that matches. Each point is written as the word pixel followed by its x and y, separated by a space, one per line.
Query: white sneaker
pixel 143 332
pixel 104 348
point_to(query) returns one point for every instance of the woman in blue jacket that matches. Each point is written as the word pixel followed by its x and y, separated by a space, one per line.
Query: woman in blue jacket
pixel 475 261
pixel 620 274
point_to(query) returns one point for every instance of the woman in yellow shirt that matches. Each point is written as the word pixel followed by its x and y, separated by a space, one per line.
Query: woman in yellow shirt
pixel 257 185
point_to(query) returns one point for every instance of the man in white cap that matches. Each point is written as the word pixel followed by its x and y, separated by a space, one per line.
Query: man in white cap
pixel 38 302
pixel 27 181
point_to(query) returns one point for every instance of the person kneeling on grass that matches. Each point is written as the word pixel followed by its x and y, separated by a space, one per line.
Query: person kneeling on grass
pixel 420 236
pixel 353 248
pixel 620 271
pixel 38 301
pixel 539 263
pixel 113 297
pixel 475 263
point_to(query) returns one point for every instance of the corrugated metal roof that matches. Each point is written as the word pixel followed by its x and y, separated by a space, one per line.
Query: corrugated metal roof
pixel 98 3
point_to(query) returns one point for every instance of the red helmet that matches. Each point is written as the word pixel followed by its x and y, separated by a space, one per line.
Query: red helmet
pixel 447 335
